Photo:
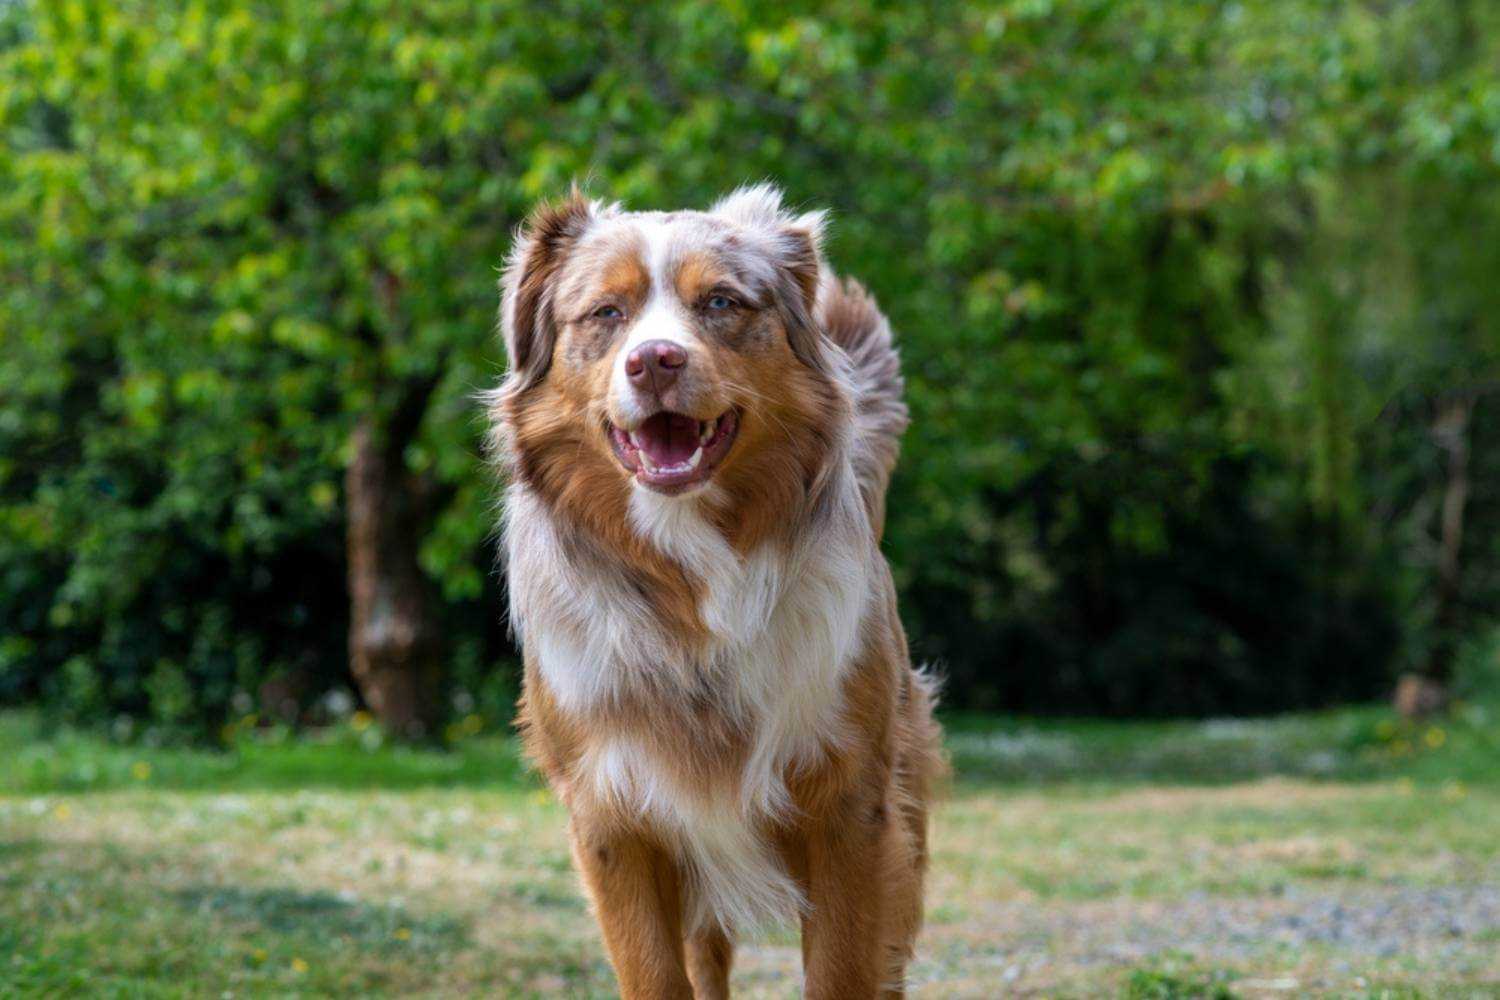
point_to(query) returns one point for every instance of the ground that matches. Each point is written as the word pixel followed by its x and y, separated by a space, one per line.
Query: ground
pixel 1342 853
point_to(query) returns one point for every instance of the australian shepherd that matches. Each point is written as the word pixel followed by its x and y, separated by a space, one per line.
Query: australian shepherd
pixel 697 428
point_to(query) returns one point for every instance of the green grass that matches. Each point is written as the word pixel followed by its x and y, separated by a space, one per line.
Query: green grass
pixel 1140 860
pixel 1171 984
pixel 1348 744
pixel 351 756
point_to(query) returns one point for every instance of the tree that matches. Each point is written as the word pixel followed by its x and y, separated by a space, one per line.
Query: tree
pixel 319 194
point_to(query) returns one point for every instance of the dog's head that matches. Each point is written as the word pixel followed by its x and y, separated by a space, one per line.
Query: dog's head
pixel 667 351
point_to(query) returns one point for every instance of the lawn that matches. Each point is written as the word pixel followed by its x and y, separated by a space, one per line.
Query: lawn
pixel 1341 853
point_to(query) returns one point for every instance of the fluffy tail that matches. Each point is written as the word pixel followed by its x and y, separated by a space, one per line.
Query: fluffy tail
pixel 854 322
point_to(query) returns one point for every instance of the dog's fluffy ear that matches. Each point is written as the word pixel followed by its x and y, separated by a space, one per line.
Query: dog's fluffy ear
pixel 541 245
pixel 795 243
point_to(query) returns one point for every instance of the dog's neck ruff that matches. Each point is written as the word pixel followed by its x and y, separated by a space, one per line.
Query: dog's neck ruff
pixel 788 610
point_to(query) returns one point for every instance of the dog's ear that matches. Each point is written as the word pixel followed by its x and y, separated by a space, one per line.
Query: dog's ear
pixel 801 241
pixel 796 247
pixel 541 245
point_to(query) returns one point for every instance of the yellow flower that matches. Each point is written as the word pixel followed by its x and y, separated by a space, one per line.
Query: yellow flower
pixel 1436 737
pixel 260 954
pixel 465 727
pixel 63 810
pixel 140 770
pixel 539 797
pixel 360 721
pixel 299 965
pixel 1401 748
pixel 403 933
pixel 1453 791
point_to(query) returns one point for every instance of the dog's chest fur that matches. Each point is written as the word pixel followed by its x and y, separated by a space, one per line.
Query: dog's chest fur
pixel 785 622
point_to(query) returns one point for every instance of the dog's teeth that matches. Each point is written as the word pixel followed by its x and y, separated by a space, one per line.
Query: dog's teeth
pixel 692 463
pixel 706 433
pixel 635 442
pixel 646 462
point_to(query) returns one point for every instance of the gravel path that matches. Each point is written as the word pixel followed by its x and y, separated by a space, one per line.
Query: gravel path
pixel 1358 930
pixel 1378 922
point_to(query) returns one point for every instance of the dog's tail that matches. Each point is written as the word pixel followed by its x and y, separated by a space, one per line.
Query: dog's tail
pixel 852 320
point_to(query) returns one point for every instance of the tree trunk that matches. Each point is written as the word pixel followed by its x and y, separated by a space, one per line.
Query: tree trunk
pixel 394 646
pixel 1427 692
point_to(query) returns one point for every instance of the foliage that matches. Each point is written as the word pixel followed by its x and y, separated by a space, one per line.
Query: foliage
pixel 1175 285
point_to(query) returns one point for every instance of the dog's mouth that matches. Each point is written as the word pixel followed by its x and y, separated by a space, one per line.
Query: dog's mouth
pixel 672 452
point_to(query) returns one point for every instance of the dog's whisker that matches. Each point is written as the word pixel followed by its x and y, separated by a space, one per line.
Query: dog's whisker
pixel 761 397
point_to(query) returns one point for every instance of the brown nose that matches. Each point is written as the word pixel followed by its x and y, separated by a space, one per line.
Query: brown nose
pixel 654 365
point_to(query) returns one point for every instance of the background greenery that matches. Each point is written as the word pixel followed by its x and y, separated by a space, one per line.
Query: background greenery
pixel 1197 303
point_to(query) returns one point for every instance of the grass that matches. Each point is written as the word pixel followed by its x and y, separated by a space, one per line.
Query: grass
pixel 1340 853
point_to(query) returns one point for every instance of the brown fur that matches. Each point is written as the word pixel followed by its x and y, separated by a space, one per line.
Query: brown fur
pixel 855 840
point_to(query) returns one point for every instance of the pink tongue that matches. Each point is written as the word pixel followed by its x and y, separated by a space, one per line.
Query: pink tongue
pixel 669 438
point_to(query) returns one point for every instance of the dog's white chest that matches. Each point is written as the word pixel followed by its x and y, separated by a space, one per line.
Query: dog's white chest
pixel 785 624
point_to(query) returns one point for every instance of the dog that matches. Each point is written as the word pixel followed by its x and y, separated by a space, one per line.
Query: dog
pixel 696 430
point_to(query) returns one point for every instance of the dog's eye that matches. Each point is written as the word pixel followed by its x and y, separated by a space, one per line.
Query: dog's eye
pixel 608 312
pixel 719 302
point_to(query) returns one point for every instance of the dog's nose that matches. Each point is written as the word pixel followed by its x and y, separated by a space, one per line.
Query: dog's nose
pixel 654 365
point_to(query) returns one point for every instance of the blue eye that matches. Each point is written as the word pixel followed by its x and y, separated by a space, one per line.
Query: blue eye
pixel 717 302
pixel 608 312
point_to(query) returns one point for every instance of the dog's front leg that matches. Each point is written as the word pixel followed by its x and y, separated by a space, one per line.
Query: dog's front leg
pixel 841 948
pixel 636 890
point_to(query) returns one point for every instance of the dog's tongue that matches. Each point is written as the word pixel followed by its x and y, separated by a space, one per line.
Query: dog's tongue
pixel 669 438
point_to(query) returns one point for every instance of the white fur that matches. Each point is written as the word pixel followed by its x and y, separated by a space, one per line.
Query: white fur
pixel 734 879
pixel 579 615
pixel 661 318
pixel 786 625
pixel 758 206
